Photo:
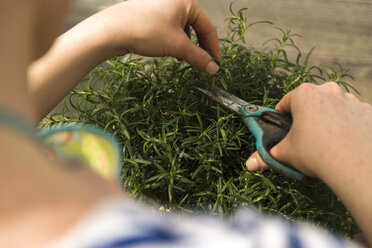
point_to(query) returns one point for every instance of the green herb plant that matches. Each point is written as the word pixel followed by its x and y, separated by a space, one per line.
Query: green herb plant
pixel 184 151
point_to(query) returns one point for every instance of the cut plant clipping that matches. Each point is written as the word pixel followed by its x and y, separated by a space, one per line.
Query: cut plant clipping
pixel 183 151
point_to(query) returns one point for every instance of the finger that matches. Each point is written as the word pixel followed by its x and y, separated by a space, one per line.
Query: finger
pixel 282 152
pixel 332 86
pixel 205 30
pixel 255 163
pixel 351 97
pixel 284 105
pixel 187 31
pixel 286 155
pixel 197 57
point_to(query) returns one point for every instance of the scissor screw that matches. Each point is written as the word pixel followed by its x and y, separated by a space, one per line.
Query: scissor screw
pixel 251 108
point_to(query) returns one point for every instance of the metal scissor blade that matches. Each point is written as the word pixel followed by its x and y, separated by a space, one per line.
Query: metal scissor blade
pixel 226 99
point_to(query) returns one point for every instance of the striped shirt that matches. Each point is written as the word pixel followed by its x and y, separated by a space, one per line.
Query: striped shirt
pixel 119 223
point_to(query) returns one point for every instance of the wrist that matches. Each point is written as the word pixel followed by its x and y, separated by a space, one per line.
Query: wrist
pixel 71 57
pixel 350 180
pixel 97 39
pixel 110 38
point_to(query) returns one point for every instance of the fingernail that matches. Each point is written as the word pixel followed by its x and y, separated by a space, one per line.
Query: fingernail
pixel 212 68
pixel 252 164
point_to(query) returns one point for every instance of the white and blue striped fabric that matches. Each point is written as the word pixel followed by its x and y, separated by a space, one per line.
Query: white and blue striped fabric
pixel 120 223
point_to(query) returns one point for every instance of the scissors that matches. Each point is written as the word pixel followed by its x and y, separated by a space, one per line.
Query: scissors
pixel 267 125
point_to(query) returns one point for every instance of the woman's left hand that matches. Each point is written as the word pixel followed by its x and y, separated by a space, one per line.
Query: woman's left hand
pixel 144 27
pixel 161 28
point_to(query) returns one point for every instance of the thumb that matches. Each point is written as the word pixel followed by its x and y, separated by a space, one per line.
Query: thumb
pixel 279 152
pixel 285 153
pixel 198 57
pixel 255 163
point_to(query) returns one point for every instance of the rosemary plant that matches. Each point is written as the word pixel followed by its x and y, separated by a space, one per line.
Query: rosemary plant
pixel 187 153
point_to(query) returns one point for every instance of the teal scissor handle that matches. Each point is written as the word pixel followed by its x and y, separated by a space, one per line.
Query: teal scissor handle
pixel 269 127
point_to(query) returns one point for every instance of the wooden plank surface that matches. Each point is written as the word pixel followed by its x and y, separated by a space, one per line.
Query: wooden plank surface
pixel 341 30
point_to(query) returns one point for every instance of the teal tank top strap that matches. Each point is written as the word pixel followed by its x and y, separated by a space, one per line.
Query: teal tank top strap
pixel 17 123
pixel 85 145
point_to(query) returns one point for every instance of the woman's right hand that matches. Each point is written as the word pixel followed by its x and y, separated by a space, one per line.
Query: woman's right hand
pixel 329 128
pixel 330 138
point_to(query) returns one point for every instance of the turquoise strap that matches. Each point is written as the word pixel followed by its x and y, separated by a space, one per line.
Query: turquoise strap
pixel 17 123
